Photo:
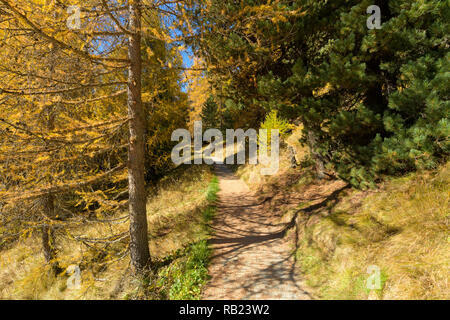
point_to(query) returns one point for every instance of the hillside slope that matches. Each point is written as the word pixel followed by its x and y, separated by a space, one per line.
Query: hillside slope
pixel 401 229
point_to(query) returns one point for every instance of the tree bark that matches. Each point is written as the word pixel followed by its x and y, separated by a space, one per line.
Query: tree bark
pixel 48 244
pixel 48 239
pixel 292 156
pixel 320 166
pixel 139 248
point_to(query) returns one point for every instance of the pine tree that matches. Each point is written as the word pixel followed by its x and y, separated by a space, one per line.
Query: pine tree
pixel 372 101
pixel 210 114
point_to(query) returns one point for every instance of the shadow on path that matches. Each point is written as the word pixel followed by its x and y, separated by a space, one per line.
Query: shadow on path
pixel 252 258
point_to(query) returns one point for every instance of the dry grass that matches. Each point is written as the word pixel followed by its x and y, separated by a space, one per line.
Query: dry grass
pixel 175 214
pixel 175 221
pixel 402 228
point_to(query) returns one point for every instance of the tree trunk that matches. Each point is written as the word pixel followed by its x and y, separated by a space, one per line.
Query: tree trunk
pixel 139 249
pixel 48 239
pixel 293 157
pixel 48 244
pixel 320 166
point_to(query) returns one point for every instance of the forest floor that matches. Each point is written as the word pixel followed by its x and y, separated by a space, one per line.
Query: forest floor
pixel 252 259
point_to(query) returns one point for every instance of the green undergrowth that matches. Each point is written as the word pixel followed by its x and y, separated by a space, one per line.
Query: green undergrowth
pixel 185 277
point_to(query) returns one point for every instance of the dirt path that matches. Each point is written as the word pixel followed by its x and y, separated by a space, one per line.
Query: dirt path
pixel 251 259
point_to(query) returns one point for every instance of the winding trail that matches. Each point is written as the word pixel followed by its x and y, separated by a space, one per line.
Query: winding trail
pixel 251 258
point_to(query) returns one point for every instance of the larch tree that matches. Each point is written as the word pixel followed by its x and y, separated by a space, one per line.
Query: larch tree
pixel 71 81
pixel 199 90
pixel 54 138
pixel 139 249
